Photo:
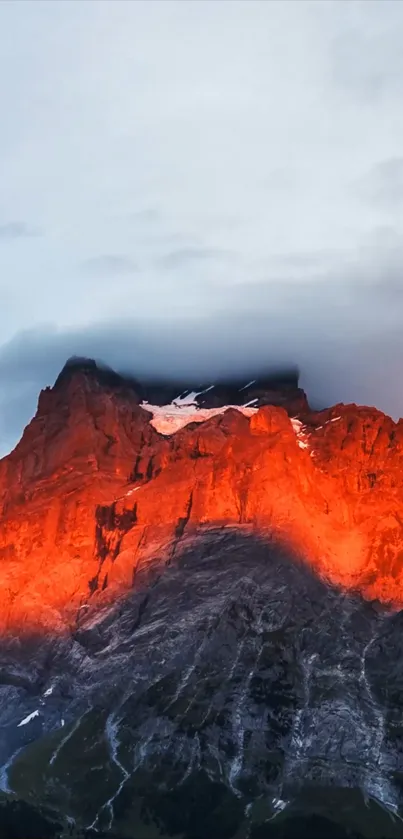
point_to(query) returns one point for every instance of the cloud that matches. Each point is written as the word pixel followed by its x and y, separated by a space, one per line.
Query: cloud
pixel 233 173
pixel 108 265
pixel 16 230
pixel 344 335
pixel 365 54
pixel 145 216
pixel 182 257
pixel 383 184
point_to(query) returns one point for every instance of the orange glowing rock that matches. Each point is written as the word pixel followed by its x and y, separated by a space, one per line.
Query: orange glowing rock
pixel 93 495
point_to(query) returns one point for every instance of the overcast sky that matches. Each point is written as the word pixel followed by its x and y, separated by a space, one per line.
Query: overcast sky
pixel 202 186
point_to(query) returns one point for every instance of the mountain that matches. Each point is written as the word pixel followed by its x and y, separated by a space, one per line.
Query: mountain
pixel 201 588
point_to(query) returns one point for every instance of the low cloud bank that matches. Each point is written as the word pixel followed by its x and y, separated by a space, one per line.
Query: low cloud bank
pixel 345 338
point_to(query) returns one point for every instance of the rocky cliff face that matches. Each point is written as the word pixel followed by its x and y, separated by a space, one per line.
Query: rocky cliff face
pixel 203 587
pixel 93 488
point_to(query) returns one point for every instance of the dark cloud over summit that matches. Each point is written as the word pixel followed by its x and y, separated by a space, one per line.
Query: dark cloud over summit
pixel 346 340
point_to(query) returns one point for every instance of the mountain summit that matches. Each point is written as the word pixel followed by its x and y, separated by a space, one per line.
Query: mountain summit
pixel 171 548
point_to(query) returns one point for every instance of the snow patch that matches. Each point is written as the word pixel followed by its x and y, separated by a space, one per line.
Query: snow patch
pixel 4 771
pixel 167 419
pixel 65 739
pixel 300 431
pixel 48 691
pixel 334 419
pixel 28 718
pixel 278 805
pixel 190 398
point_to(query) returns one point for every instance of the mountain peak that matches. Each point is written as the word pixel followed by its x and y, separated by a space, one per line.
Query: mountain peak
pixel 95 370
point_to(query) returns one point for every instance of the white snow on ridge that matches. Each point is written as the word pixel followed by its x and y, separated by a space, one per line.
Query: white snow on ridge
pixel 300 431
pixel 28 718
pixel 190 397
pixel 167 419
pixel 333 419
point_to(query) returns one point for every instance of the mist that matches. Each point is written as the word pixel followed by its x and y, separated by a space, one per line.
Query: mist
pixel 345 339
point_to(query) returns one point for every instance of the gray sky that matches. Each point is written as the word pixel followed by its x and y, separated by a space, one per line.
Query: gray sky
pixel 196 186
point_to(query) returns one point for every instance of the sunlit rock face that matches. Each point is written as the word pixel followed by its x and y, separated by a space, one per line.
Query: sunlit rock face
pixel 200 591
